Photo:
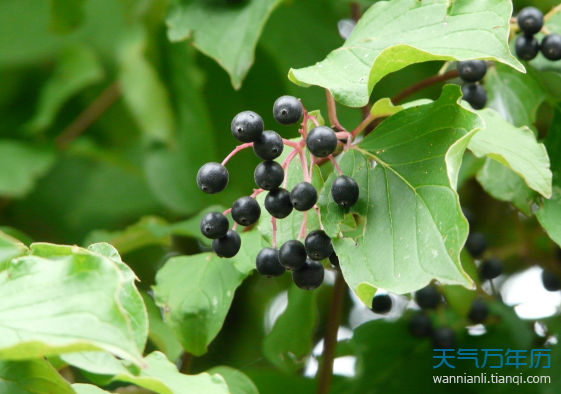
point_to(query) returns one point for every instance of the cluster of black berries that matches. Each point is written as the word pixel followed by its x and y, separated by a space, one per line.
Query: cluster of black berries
pixel 530 21
pixel 302 259
pixel 471 72
pixel 420 324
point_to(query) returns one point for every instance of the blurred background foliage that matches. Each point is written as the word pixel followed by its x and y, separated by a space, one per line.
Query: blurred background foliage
pixel 104 123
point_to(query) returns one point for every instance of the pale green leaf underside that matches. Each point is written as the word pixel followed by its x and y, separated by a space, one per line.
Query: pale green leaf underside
pixel 31 377
pixel 66 299
pixel 415 229
pixel 227 33
pixel 516 148
pixel 81 388
pixel 392 35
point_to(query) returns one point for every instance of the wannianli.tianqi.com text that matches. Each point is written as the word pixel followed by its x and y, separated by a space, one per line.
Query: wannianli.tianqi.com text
pixel 492 378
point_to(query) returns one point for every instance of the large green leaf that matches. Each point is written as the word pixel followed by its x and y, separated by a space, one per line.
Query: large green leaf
pixel 394 34
pixel 10 248
pixel 414 228
pixel 226 32
pixel 237 381
pixel 65 299
pixel 66 15
pixel 195 293
pixel 23 165
pixel 77 67
pixel 81 388
pixel 31 377
pixel 291 339
pixel 516 148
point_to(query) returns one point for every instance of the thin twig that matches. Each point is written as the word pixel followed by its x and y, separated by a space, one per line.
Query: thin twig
pixel 335 164
pixel 303 226
pixel 332 111
pixel 226 212
pixel 236 150
pixel 325 372
pixel 290 143
pixel 423 84
pixel 274 221
pixel 92 113
pixel 304 163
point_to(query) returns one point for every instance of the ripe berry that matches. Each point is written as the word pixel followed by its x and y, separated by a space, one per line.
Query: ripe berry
pixel 527 48
pixel 428 297
pixel 420 325
pixel 287 110
pixel 345 191
pixel 214 225
pixel 530 20
pixel 478 312
pixel 268 175
pixel 334 259
pixel 318 245
pixel 550 281
pixel 228 245
pixel 476 244
pixel 381 304
pixel 292 255
pixel 267 263
pixel 321 141
pixel 472 70
pixel 475 95
pixel 303 196
pixel 444 338
pixel 246 211
pixel 309 276
pixel 551 47
pixel 490 269
pixel 212 178
pixel 247 126
pixel 278 204
pixel 268 146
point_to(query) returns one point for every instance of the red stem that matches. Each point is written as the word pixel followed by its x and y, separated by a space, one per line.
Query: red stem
pixel 236 150
pixel 274 221
pixel 290 143
pixel 303 227
pixel 332 111
pixel 335 164
pixel 226 212
pixel 256 192
pixel 304 165
pixel 319 216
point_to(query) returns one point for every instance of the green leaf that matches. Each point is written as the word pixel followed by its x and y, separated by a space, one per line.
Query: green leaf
pixel 459 298
pixel 516 148
pixel 144 93
pixel 66 15
pixel 23 165
pixel 515 96
pixel 148 231
pixel 394 34
pixel 10 248
pixel 414 227
pixel 384 107
pixel 81 388
pixel 195 293
pixel 160 334
pixel 237 381
pixel 31 377
pixel 77 68
pixel 66 299
pixel 159 375
pixel 228 33
pixel 291 339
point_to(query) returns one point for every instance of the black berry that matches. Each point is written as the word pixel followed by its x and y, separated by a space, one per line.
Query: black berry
pixel 309 276
pixel 228 245
pixel 345 191
pixel 478 312
pixel 527 48
pixel 321 141
pixel 268 146
pixel 428 297
pixel 420 325
pixel 318 245
pixel 212 178
pixel 267 263
pixel 381 304
pixel 472 70
pixel 550 281
pixel 530 20
pixel 246 211
pixel 287 110
pixel 476 244
pixel 444 338
pixel 334 260
pixel 214 225
pixel 303 196
pixel 268 175
pixel 551 47
pixel 490 269
pixel 278 204
pixel 292 255
pixel 247 126
pixel 475 95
